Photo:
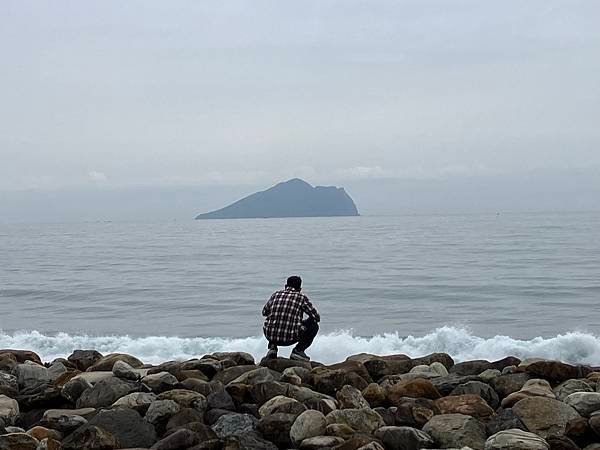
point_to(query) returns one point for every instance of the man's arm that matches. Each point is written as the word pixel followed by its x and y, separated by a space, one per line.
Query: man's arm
pixel 267 308
pixel 310 310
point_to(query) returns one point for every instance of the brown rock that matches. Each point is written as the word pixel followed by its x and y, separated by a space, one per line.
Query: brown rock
pixel 41 433
pixel 90 438
pixel 417 388
pixel 23 355
pixel 532 388
pixel 83 359
pixel 107 362
pixel 545 416
pixel 467 404
pixel 505 385
pixel 556 371
pixel 375 395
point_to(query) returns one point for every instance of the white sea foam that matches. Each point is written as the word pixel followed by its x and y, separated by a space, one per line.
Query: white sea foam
pixel 573 347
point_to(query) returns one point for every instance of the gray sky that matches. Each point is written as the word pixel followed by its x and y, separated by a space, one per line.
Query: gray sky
pixel 112 94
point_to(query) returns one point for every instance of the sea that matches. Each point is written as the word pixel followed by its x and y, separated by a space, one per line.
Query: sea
pixel 477 286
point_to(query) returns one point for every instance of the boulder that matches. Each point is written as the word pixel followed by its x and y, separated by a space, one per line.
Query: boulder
pixel 483 390
pixel 467 404
pixel 18 441
pixel 544 416
pixel 160 411
pixel 273 404
pixel 227 376
pixel 308 424
pixel 183 417
pixel 8 385
pixel 180 439
pixel 282 364
pixel 532 388
pixel 276 428
pixel 185 399
pixel 220 399
pixel 563 390
pixel 585 403
pixel 415 412
pixel 123 370
pixel 375 395
pixel 350 397
pixel 456 430
pixel 247 441
pixel 320 442
pixel 372 446
pixel 358 440
pixel 238 358
pixel 49 444
pixel 329 381
pixel 505 419
pixel 489 374
pixel 478 366
pixel 555 371
pixel 562 443
pixel 138 401
pixel 160 382
pixel 126 425
pixel 9 410
pixel 403 438
pixel 364 420
pixel 418 388
pixel 338 429
pixel 505 385
pixel 107 362
pixel 256 376
pixel 66 420
pixel 234 424
pixel 31 376
pixel 105 393
pixel 515 439
pixel 22 356
pixel 445 385
pixel 41 433
pixel 90 438
pixel 83 359
pixel 73 388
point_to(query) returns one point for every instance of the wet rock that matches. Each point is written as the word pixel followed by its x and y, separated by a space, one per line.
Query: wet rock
pixel 375 395
pixel 531 388
pixel 456 430
pixel 504 385
pixel 483 390
pixel 467 404
pixel 505 419
pixel 107 362
pixel 320 442
pixel 419 388
pixel 585 403
pixel 18 441
pixel 126 425
pixel 403 438
pixel 544 416
pixel 563 390
pixel 365 420
pixel 83 359
pixel 276 428
pixel 516 439
pixel 138 401
pixel 350 397
pixel 9 410
pixel 90 438
pixel 234 424
pixel 308 424
pixel 105 393
pixel 160 382
pixel 73 389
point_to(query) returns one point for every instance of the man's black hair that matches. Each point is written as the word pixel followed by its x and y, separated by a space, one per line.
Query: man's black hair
pixel 294 282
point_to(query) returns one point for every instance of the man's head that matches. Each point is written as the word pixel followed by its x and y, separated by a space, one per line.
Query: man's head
pixel 294 282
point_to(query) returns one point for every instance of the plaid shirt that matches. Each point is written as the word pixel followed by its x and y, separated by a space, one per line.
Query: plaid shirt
pixel 283 314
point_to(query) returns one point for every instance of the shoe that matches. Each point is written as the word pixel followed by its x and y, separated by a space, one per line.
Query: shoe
pixel 272 353
pixel 299 355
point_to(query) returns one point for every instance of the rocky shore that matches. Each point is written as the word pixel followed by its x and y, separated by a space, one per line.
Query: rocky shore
pixel 90 401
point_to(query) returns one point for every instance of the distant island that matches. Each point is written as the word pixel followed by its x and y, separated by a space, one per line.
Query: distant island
pixel 293 198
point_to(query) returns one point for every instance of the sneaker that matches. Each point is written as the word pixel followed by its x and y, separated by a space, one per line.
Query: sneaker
pixel 272 353
pixel 299 355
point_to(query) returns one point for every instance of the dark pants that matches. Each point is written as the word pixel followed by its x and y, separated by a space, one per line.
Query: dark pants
pixel 307 334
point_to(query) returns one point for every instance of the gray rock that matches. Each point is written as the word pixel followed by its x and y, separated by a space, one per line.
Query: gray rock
pixel 160 382
pixel 505 385
pixel 489 374
pixel 403 438
pixel 276 402
pixel 320 442
pixel 31 376
pixel 456 430
pixel 82 359
pixel 90 438
pixel 484 390
pixel 504 419
pixel 256 376
pixel 66 420
pixel 181 439
pixel 105 393
pixel 545 416
pixel 276 428
pixel 18 441
pixel 516 439
pixel 447 384
pixel 139 401
pixel 308 424
pixel 585 403
pixel 9 410
pixel 107 362
pixel 350 397
pixel 239 358
pixel 183 417
pixel 186 399
pixel 127 426
pixel 56 370
pixel 73 388
pixel 220 399
pixel 365 420
pixel 234 425
pixel 160 411
pixel 247 441
pixel 15 430
pixel 563 390
pixel 8 383
pixel 123 370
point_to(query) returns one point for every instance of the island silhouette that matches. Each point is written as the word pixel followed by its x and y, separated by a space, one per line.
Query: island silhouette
pixel 292 198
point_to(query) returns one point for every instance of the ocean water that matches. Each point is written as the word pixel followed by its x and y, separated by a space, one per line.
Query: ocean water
pixel 475 286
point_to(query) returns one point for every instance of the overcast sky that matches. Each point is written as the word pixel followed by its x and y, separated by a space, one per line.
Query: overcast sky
pixel 195 93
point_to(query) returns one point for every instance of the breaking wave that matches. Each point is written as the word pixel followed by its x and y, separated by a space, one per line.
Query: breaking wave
pixel 460 343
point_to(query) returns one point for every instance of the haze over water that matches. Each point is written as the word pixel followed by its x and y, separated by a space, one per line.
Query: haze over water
pixel 480 275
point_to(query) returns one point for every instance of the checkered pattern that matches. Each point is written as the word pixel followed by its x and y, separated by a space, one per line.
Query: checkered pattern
pixel 283 314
